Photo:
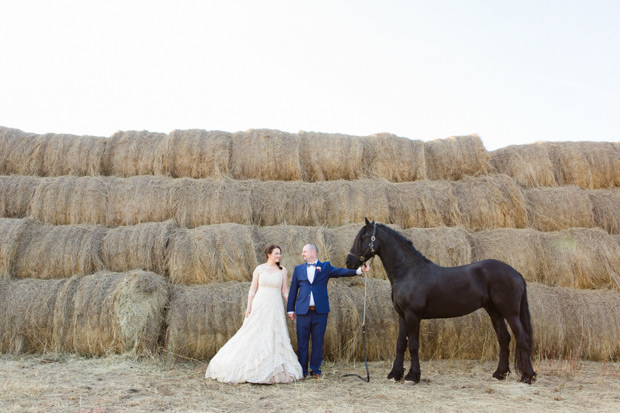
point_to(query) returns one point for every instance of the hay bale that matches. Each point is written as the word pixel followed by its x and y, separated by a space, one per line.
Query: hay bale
pixel 448 247
pixel 70 200
pixel 16 152
pixel 488 202
pixel 606 209
pixel 69 155
pixel 11 232
pixel 529 165
pixel 394 159
pixel 201 319
pixel 136 153
pixel 95 314
pixel 555 209
pixel 58 251
pixel 423 204
pixel 143 246
pixel 27 315
pixel 456 157
pixel 109 312
pixel 588 165
pixel 138 199
pixel 212 253
pixel 265 155
pixel 198 153
pixel 330 156
pixel 197 202
pixel 16 193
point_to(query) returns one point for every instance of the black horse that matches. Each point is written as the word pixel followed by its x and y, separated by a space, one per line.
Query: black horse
pixel 422 289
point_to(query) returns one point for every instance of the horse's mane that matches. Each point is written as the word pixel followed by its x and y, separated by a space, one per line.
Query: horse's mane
pixel 405 242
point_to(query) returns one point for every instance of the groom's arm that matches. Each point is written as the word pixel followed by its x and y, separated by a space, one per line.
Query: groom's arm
pixel 292 296
pixel 335 272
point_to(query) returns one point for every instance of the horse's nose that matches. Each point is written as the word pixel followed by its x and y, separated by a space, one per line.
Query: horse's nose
pixel 349 262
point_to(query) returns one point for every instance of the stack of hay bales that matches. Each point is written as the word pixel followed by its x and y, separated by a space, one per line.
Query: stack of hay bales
pixel 146 242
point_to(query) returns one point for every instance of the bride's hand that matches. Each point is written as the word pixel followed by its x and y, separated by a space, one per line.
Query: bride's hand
pixel 247 313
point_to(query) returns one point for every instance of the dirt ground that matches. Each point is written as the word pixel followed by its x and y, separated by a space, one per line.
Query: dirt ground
pixel 121 383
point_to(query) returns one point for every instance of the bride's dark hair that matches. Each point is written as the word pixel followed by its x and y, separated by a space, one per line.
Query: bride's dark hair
pixel 270 249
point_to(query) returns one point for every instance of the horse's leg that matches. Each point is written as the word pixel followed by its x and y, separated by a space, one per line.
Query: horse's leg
pixel 413 329
pixel 523 361
pixel 401 345
pixel 503 338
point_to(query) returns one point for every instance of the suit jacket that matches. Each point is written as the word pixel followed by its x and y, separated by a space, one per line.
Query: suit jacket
pixel 299 294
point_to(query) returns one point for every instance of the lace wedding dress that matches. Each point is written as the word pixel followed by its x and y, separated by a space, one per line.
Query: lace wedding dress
pixel 261 351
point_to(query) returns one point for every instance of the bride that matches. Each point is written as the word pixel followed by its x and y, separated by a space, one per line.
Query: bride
pixel 261 351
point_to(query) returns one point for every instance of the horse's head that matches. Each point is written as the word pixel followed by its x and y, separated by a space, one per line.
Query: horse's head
pixel 364 246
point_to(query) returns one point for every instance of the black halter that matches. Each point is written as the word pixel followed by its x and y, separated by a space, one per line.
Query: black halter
pixel 371 246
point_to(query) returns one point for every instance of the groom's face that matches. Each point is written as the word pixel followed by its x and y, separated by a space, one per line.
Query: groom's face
pixel 308 254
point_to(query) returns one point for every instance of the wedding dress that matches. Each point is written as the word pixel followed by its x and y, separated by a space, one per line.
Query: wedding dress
pixel 261 350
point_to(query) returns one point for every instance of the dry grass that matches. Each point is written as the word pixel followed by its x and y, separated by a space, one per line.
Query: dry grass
pixel 135 153
pixel 11 231
pixel 94 314
pixel 120 383
pixel 16 193
pixel 198 153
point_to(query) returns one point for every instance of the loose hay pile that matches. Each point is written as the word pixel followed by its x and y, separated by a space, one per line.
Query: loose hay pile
pixel 144 240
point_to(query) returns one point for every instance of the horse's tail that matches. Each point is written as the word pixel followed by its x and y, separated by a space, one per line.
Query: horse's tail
pixel 526 322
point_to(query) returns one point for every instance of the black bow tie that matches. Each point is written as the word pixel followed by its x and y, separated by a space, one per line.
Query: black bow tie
pixel 311 265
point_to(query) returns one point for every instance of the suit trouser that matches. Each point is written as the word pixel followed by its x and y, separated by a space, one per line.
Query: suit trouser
pixel 312 325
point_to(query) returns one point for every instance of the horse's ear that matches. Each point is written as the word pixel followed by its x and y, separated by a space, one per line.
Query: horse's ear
pixel 368 224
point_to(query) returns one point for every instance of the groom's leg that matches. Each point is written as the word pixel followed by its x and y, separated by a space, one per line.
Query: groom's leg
pixel 319 325
pixel 303 340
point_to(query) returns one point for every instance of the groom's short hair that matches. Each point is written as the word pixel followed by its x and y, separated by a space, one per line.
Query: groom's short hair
pixel 314 247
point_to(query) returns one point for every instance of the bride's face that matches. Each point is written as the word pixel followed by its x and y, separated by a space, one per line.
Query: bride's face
pixel 275 255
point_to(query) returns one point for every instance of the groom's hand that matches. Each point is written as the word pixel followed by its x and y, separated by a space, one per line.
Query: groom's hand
pixel 365 267
pixel 291 316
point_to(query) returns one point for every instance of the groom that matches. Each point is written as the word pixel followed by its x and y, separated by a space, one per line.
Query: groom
pixel 308 298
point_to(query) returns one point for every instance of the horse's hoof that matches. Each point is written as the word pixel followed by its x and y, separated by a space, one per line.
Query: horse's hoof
pixel 501 375
pixel 414 377
pixel 396 376
pixel 528 379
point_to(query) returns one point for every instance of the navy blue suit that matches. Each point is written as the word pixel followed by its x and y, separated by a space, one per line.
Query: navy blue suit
pixel 312 322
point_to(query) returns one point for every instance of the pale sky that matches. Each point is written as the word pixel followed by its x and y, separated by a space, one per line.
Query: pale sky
pixel 514 72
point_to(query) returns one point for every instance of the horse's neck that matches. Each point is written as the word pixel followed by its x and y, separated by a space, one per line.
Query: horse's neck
pixel 400 257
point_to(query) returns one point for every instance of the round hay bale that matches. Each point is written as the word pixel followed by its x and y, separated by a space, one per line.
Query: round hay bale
pixel 136 153
pixel 198 153
pixel 11 232
pixel 16 152
pixel 394 159
pixel 201 319
pixel 456 157
pixel 109 312
pixel 70 200
pixel 329 156
pixel 575 324
pixel 529 165
pixel 265 155
pixel 204 202
pixel 555 209
pixel 211 253
pixel 580 258
pixel 291 240
pixel 519 248
pixel 16 193
pixel 143 246
pixel 588 165
pixel 138 199
pixel 422 204
pixel 343 337
pixel 58 251
pixel 617 165
pixel 27 315
pixel 606 209
pixel 488 202
pixel 70 155
pixel 447 247
pixel 349 202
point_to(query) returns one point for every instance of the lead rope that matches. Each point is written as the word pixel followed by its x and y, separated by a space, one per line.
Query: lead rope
pixel 367 379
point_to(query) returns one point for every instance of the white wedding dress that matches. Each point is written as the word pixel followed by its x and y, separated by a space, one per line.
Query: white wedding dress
pixel 261 351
